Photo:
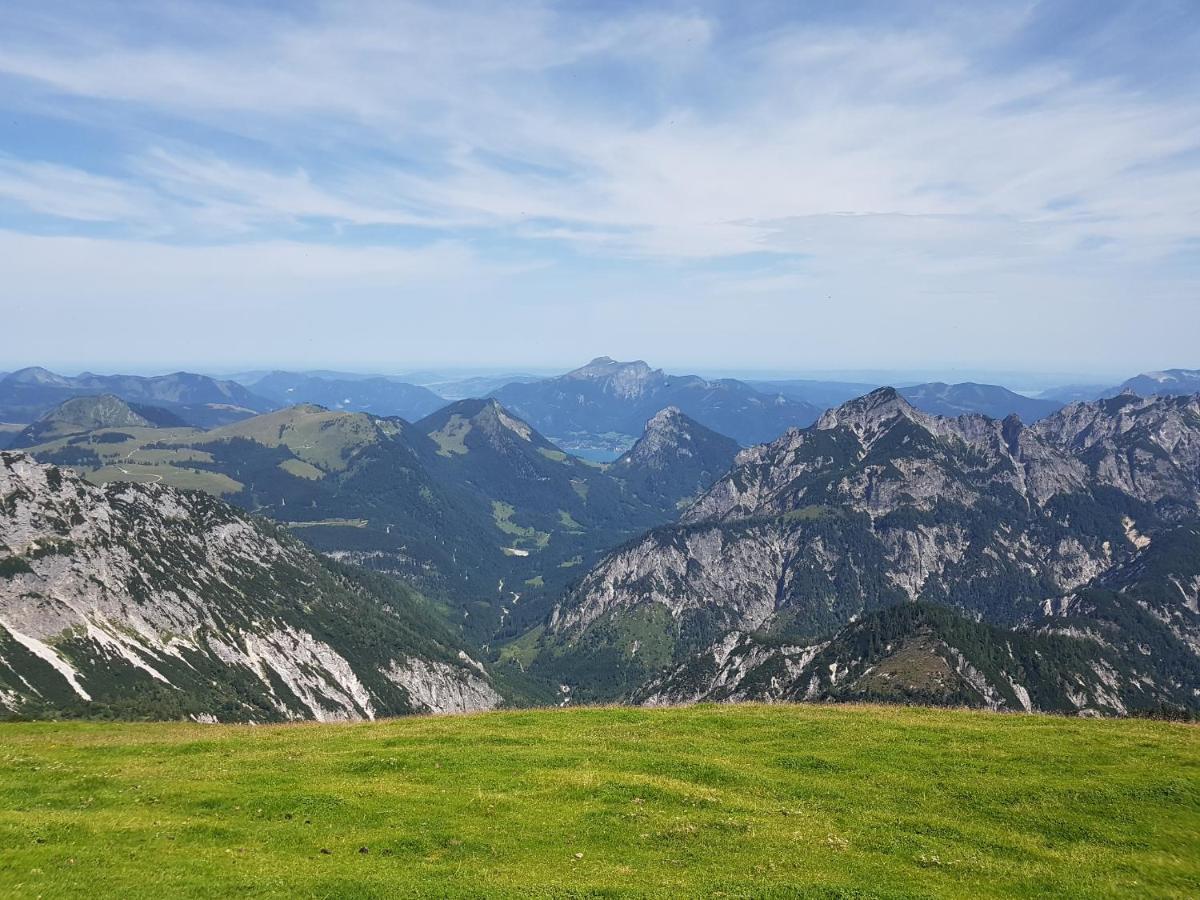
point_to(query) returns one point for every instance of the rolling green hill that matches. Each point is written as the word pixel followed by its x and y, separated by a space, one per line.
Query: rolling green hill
pixel 734 801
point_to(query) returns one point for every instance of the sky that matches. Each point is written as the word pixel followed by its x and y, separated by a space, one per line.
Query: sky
pixel 789 186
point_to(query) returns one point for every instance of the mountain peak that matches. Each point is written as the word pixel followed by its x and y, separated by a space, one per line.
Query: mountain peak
pixel 91 413
pixel 605 366
pixel 493 414
pixel 627 380
pixel 881 404
pixel 671 437
pixel 667 417
pixel 36 375
pixel 873 415
pixel 99 411
pixel 450 425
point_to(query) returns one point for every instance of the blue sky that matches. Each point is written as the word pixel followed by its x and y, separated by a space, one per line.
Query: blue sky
pixel 797 186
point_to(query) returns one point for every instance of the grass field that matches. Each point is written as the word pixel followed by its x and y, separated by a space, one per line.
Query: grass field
pixel 749 801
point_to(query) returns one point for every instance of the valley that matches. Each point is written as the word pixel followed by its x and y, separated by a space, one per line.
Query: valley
pixel 880 553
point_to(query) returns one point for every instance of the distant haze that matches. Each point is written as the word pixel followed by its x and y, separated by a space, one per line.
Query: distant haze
pixel 768 187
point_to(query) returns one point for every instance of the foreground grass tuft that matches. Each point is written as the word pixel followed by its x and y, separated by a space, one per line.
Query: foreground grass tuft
pixel 746 801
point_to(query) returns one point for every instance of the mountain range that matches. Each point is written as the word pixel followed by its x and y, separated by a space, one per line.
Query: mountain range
pixel 940 399
pixel 1048 559
pixel 28 394
pixel 376 395
pixel 810 540
pixel 1170 382
pixel 603 405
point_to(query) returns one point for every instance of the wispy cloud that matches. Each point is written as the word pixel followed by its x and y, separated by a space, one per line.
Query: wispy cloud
pixel 943 143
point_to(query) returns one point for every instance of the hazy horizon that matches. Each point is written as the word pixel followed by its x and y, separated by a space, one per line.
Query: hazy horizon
pixel 777 187
pixel 1030 380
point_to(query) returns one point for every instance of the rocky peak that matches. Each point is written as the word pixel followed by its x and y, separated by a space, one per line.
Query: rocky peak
pixel 874 414
pixel 494 419
pixel 667 429
pixel 670 438
pixel 623 379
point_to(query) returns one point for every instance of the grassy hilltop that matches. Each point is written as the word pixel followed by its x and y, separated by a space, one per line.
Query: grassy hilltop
pixel 706 801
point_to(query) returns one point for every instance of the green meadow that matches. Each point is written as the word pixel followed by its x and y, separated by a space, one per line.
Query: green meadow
pixel 708 801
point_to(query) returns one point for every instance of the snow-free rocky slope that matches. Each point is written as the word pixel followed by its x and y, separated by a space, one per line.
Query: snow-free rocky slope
pixel 879 504
pixel 144 601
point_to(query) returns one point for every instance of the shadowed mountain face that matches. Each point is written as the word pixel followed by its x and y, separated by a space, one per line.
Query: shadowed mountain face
pixel 990 400
pixel 675 460
pixel 28 394
pixel 606 403
pixel 878 504
pixel 378 396
pixel 143 601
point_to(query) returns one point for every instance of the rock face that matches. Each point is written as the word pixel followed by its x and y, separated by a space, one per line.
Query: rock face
pixel 439 687
pixel 878 504
pixel 607 397
pixel 1146 448
pixel 140 600
pixel 924 654
pixel 674 460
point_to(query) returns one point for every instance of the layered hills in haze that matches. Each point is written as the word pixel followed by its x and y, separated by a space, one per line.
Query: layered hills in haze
pixel 604 405
pixel 376 395
pixel 991 400
pixel 28 394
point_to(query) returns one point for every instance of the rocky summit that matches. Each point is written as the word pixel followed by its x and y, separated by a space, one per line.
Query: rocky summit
pixel 879 505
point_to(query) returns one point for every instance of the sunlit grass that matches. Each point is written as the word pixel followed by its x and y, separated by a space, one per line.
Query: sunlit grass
pixel 722 801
